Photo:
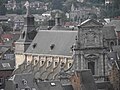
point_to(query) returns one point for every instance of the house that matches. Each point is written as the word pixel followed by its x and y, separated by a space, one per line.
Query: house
pixel 82 13
pixel 3 19
pixel 6 52
pixel 79 80
pixel 116 25
pixel 6 69
pixel 27 82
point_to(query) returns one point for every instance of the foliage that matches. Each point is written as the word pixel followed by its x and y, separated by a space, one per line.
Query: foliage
pixel 3 10
pixel 113 10
pixel 57 4
pixel 6 28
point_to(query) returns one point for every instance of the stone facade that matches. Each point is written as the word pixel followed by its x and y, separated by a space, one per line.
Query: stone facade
pixel 92 47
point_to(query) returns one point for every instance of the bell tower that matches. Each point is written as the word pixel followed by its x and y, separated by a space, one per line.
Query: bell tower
pixel 26 37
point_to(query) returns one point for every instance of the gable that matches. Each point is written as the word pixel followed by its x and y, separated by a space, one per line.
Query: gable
pixel 90 22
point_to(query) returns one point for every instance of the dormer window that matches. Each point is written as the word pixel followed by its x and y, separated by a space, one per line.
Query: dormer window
pixel 52 46
pixel 34 45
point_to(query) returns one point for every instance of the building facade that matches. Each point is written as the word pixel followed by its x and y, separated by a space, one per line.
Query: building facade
pixel 44 53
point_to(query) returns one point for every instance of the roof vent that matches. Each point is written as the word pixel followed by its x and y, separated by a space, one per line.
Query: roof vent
pixel 34 45
pixel 52 46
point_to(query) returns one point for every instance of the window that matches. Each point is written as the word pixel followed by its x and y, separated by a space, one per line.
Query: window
pixel 49 63
pixel 27 88
pixel 70 64
pixel 1 80
pixel 23 35
pixel 35 61
pixel 33 89
pixel 91 65
pixel 16 85
pixel 62 64
pixel 111 43
pixel 42 62
pixel 55 63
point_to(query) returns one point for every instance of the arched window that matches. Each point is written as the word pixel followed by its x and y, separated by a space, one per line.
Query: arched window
pixel 70 64
pixel 35 61
pixel 55 63
pixel 42 62
pixel 111 43
pixel 23 35
pixel 49 62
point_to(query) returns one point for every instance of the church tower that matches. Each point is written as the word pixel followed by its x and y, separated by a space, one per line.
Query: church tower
pixel 26 37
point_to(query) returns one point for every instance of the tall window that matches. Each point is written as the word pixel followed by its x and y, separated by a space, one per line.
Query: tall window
pixel 91 65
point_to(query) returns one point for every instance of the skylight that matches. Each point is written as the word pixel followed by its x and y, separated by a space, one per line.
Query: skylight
pixel 6 65
pixel 52 84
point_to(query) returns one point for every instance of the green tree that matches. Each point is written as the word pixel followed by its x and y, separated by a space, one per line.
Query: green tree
pixel 57 4
pixel 2 7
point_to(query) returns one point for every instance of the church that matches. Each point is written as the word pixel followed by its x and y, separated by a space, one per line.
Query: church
pixel 45 52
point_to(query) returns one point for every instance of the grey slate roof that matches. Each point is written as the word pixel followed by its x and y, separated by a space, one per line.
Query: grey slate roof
pixel 27 80
pixel 87 80
pixel 115 23
pixel 48 85
pixel 22 80
pixel 3 49
pixel 103 85
pixel 109 32
pixel 60 40
pixel 68 87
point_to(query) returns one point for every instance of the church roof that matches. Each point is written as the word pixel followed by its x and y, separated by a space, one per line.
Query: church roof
pixel 53 42
pixel 90 22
